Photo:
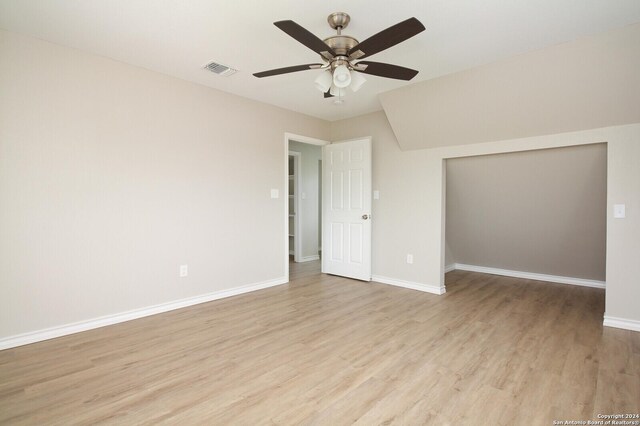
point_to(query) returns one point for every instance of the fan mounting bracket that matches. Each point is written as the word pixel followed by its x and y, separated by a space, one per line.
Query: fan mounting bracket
pixel 339 20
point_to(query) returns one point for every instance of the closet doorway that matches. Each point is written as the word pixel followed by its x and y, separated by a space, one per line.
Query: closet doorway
pixel 304 201
pixel 304 198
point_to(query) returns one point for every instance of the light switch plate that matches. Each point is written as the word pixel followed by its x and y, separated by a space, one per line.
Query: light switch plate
pixel 376 195
pixel 275 193
pixel 184 271
pixel 619 211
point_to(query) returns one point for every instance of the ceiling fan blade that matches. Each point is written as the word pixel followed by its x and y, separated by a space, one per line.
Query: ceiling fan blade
pixel 386 38
pixel 327 94
pixel 286 70
pixel 385 70
pixel 305 37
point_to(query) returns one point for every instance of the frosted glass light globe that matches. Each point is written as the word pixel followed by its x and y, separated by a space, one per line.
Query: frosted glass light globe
pixel 323 82
pixel 357 80
pixel 341 76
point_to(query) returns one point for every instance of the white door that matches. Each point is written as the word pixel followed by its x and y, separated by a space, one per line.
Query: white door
pixel 346 209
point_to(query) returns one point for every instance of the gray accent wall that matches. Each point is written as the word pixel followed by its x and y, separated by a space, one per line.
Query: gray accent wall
pixel 542 211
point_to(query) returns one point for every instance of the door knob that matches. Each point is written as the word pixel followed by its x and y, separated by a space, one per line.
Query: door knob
pixel 365 216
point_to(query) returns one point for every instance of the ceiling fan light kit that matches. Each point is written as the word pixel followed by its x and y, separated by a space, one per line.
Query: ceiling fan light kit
pixel 342 54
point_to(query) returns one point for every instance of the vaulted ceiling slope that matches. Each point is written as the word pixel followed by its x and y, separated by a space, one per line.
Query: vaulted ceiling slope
pixel 589 83
pixel 179 37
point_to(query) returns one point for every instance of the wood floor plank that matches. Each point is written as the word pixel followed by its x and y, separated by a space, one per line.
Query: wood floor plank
pixel 328 350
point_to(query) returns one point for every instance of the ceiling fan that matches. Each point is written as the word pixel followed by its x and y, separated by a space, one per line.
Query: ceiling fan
pixel 342 54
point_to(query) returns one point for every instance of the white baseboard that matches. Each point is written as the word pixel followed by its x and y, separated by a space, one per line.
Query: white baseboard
pixel 309 258
pixel 449 268
pixel 63 330
pixel 626 324
pixel 531 275
pixel 408 284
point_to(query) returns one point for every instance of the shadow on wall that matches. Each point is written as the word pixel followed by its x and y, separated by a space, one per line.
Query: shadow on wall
pixel 540 211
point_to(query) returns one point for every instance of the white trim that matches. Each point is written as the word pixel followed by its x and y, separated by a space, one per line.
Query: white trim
pixel 409 284
pixel 531 275
pixel 370 138
pixel 450 268
pixel 309 258
pixel 626 324
pixel 63 330
pixel 304 139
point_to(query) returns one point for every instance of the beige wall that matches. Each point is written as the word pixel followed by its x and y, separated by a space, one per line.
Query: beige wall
pixel 410 215
pixel 310 185
pixel 589 83
pixel 537 211
pixel 399 221
pixel 623 235
pixel 111 176
pixel 539 100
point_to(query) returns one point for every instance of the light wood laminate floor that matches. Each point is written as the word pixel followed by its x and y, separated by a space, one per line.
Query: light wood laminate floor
pixel 326 350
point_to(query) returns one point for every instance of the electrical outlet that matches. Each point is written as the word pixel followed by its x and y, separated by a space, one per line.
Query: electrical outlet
pixel 184 271
pixel 409 258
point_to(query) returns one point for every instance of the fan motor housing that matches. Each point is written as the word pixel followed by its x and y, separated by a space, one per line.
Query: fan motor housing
pixel 341 44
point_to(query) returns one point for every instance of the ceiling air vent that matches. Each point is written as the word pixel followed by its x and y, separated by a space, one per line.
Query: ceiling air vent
pixel 220 69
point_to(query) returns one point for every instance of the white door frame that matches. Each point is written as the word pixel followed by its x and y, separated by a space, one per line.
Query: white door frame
pixel 298 138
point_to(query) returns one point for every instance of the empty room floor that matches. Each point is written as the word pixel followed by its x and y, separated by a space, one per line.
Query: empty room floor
pixel 328 350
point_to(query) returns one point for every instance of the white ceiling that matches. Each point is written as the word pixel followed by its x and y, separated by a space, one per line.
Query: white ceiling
pixel 178 37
